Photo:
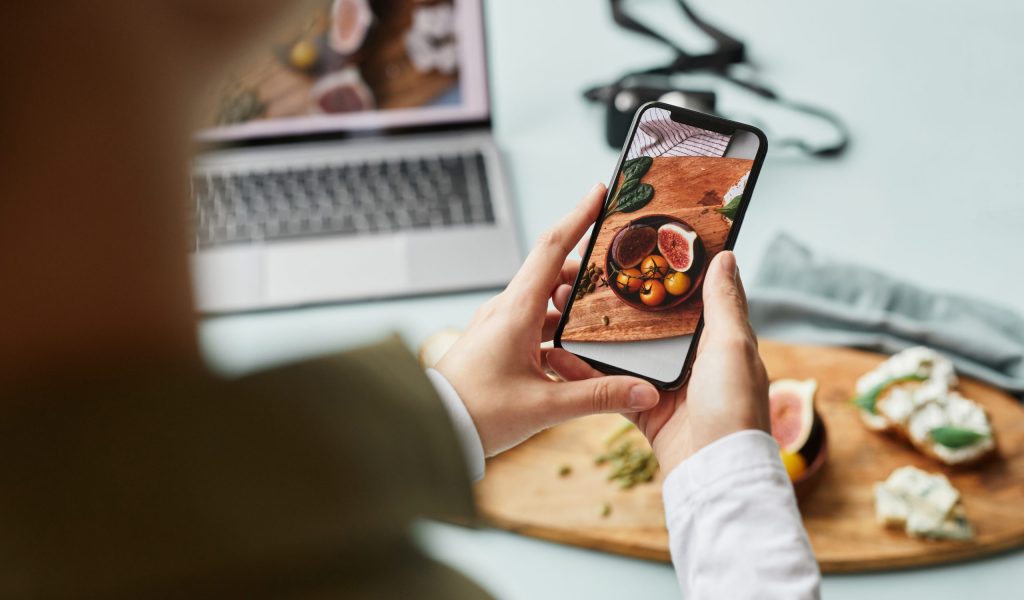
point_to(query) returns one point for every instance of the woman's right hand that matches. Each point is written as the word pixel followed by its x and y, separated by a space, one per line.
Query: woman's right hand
pixel 728 388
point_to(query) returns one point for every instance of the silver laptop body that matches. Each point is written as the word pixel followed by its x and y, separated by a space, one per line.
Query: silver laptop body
pixel 373 215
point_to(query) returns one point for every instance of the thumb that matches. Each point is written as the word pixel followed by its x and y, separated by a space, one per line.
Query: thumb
pixel 725 302
pixel 603 394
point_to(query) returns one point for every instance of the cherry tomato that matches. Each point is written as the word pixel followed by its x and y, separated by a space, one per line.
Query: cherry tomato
pixel 628 281
pixel 677 283
pixel 654 266
pixel 652 293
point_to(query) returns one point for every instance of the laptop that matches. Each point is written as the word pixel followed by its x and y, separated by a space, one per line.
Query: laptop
pixel 353 158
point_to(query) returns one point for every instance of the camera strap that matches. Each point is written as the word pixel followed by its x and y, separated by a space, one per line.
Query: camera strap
pixel 728 51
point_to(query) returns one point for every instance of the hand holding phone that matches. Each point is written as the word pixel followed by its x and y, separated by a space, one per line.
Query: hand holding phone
pixel 497 366
pixel 728 389
pixel 677 198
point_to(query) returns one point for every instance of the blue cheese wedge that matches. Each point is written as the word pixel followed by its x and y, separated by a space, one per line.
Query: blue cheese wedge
pixel 924 505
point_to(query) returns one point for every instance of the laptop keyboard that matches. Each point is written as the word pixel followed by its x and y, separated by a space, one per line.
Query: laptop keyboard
pixel 341 199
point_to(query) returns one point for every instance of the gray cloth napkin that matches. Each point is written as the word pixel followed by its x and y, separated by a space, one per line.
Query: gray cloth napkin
pixel 800 298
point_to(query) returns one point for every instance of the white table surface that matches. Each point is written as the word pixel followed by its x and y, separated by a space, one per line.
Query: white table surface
pixel 930 190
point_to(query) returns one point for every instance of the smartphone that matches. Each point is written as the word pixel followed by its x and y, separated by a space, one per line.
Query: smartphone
pixel 678 195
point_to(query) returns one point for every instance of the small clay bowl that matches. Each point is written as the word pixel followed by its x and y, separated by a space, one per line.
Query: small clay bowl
pixel 696 270
pixel 807 482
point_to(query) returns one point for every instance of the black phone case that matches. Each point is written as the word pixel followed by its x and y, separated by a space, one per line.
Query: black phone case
pixel 697 119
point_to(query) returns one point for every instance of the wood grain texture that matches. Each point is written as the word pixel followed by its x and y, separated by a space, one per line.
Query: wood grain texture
pixel 686 187
pixel 523 492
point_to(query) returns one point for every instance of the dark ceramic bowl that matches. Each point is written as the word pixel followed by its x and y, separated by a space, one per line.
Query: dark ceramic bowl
pixel 696 270
pixel 812 476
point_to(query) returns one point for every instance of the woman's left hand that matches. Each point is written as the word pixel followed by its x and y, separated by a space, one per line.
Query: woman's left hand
pixel 498 365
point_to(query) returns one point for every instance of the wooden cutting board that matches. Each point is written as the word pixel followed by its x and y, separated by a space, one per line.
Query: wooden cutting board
pixel 689 188
pixel 524 492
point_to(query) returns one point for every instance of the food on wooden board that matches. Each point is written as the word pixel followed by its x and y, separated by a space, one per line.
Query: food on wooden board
pixel 629 280
pixel 732 198
pixel 676 245
pixel 912 395
pixel 792 411
pixel 634 244
pixel 924 505
pixel 341 92
pixel 632 195
pixel 796 465
pixel 636 256
pixel 654 267
pixel 350 19
pixel 677 283
pixel 432 43
pixel 652 292
pixel 632 461
pixel 303 55
pixel 593 278
pixel 796 426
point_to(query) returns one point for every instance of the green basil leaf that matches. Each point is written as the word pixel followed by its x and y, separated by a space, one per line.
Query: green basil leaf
pixel 956 437
pixel 635 199
pixel 730 208
pixel 636 168
pixel 869 399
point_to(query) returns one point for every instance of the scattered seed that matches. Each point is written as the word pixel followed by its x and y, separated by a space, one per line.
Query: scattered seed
pixel 605 320
pixel 629 465
pixel 593 278
pixel 564 470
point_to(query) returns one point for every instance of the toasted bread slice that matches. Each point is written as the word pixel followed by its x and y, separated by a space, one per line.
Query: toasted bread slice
pixel 968 436
pixel 911 395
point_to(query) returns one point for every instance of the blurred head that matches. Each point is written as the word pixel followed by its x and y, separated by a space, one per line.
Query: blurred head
pixel 99 104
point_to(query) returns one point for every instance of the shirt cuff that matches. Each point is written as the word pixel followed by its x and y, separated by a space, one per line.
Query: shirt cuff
pixel 738 453
pixel 465 429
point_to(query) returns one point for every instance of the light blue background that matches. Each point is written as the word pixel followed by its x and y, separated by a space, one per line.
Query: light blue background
pixel 931 190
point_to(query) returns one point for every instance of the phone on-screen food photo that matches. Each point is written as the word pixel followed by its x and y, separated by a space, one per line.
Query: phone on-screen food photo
pixel 681 186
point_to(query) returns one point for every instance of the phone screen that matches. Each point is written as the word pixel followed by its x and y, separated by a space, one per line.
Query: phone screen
pixel 671 208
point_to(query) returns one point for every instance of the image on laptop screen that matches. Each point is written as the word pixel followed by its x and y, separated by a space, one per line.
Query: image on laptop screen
pixel 360 65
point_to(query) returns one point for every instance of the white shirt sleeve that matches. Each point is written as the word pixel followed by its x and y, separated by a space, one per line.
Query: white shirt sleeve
pixel 465 429
pixel 733 523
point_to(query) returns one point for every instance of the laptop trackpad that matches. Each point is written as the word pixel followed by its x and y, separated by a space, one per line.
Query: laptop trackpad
pixel 337 269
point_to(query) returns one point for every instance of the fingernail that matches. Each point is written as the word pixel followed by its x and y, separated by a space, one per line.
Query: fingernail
pixel 728 264
pixel 642 397
pixel 596 188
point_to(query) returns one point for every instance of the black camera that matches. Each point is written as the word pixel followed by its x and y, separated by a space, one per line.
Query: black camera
pixel 628 93
pixel 624 99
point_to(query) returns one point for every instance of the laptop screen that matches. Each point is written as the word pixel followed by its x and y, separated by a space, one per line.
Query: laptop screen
pixel 360 66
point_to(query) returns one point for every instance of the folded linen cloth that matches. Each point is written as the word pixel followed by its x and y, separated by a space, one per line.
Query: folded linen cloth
pixel 799 298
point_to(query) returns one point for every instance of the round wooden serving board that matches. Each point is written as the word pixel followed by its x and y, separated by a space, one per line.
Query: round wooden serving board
pixel 524 492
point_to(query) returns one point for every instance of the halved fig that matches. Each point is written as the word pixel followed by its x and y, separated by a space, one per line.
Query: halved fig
pixel 341 92
pixel 676 244
pixel 349 21
pixel 633 244
pixel 791 403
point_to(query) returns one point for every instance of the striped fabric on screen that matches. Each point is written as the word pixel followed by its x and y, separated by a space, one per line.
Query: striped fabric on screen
pixel 659 135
